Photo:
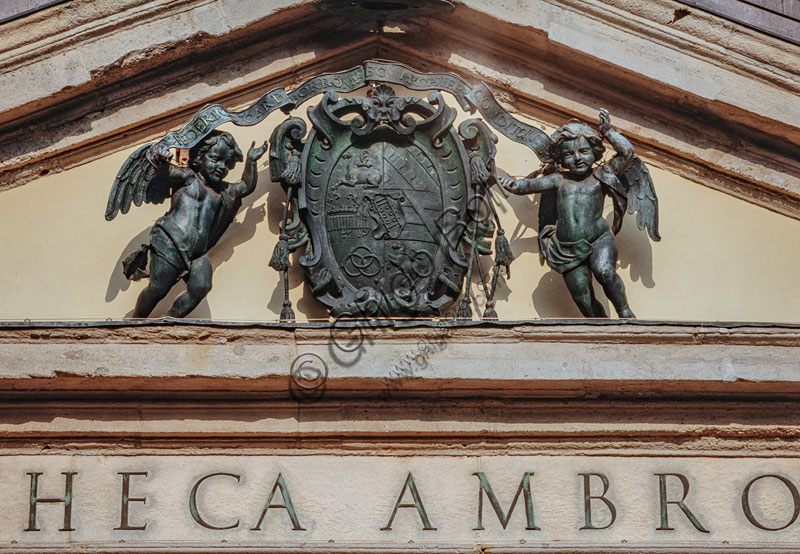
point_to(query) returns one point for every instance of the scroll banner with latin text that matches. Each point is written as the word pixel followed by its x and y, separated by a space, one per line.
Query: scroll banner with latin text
pixel 344 501
pixel 479 98
pixel 211 117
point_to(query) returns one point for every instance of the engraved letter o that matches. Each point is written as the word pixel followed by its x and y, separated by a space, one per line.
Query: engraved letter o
pixel 749 514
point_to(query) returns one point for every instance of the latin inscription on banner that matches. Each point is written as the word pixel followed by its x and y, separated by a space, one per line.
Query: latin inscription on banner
pixel 385 500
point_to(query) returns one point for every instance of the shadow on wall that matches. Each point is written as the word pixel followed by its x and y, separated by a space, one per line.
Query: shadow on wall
pixel 117 282
pixel 240 231
pixel 636 252
pixel 550 297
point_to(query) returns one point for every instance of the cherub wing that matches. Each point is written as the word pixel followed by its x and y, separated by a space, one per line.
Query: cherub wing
pixel 137 181
pixel 642 199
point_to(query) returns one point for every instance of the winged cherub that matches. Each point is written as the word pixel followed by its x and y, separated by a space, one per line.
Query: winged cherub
pixel 574 238
pixel 202 206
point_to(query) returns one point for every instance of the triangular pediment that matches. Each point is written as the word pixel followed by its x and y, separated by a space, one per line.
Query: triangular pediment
pixel 713 106
pixel 714 156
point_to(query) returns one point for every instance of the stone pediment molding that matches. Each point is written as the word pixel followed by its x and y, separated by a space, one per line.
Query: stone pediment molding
pixel 526 359
pixel 668 381
pixel 709 101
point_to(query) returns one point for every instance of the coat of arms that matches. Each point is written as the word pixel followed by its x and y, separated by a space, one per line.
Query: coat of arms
pixel 384 193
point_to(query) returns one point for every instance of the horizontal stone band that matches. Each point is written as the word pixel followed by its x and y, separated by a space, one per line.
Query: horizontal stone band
pixel 394 502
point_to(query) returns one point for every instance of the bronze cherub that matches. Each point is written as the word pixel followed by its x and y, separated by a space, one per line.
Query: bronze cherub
pixel 202 206
pixel 574 238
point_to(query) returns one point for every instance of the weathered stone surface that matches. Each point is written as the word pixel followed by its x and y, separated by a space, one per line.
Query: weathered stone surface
pixel 343 502
pixel 780 18
pixel 85 42
pixel 578 357
pixel 713 404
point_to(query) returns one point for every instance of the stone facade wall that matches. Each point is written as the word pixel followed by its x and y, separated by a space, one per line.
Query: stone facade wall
pixel 396 437
pixel 212 425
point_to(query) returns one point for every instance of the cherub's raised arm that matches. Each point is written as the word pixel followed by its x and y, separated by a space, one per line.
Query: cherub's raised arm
pixel 530 186
pixel 619 163
pixel 250 174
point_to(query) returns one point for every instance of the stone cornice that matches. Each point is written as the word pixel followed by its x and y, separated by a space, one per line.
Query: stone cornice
pixel 37 37
pixel 598 387
pixel 101 41
pixel 129 83
pixel 521 360
pixel 602 331
pixel 701 35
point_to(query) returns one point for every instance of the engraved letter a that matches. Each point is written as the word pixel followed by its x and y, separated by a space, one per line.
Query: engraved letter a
pixel 409 484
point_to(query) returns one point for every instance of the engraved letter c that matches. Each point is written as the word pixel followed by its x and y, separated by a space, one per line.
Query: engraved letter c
pixel 193 502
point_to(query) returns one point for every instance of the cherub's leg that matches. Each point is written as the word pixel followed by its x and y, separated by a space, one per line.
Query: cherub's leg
pixel 579 283
pixel 163 276
pixel 603 262
pixel 197 287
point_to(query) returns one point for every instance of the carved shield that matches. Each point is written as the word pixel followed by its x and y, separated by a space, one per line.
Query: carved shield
pixel 384 196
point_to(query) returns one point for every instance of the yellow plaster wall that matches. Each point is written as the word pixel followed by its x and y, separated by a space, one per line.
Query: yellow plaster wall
pixel 721 259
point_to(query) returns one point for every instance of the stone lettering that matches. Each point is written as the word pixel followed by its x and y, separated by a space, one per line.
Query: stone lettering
pixel 124 525
pixel 664 502
pixel 193 502
pixel 149 504
pixel 287 505
pixel 66 500
pixel 588 497
pixel 748 513
pixel 524 488
pixel 423 515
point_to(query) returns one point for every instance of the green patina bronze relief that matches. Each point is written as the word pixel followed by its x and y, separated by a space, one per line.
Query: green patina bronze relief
pixel 391 202
pixel 574 238
pixel 384 198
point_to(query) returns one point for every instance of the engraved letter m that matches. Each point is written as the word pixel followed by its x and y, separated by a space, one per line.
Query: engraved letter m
pixel 524 488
